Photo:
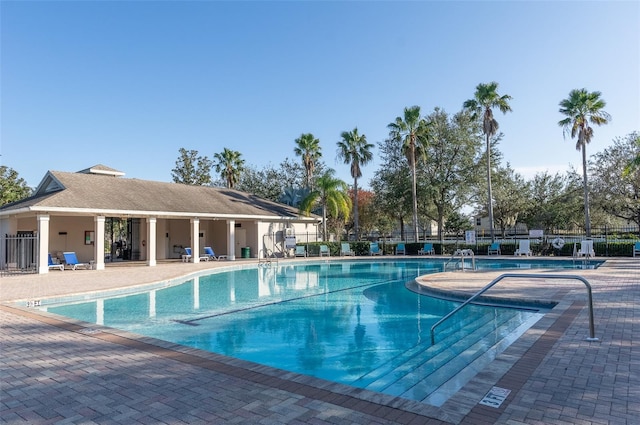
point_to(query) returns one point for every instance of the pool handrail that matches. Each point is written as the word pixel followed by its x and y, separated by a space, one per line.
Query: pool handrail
pixel 592 336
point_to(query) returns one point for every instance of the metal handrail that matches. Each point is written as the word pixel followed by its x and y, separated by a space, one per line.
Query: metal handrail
pixel 592 336
pixel 462 253
pixel 266 256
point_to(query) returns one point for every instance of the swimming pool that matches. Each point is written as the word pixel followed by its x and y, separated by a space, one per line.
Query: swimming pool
pixel 352 322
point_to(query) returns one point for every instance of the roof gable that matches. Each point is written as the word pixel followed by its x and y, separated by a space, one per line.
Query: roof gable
pixel 48 185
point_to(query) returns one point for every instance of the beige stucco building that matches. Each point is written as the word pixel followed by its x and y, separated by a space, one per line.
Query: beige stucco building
pixel 76 211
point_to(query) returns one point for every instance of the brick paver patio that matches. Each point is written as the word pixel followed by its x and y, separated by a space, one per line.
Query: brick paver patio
pixel 61 371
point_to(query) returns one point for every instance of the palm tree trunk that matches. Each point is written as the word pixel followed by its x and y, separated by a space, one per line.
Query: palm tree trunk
pixel 355 207
pixel 490 205
pixel 587 218
pixel 324 221
pixel 414 192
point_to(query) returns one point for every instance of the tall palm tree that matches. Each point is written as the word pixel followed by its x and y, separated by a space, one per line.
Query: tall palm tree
pixel 582 108
pixel 331 194
pixel 411 130
pixel 229 164
pixel 484 100
pixel 308 147
pixel 353 149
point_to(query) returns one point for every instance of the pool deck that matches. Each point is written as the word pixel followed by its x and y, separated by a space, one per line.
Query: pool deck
pixel 61 371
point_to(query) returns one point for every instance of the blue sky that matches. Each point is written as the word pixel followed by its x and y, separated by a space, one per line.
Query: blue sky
pixel 126 84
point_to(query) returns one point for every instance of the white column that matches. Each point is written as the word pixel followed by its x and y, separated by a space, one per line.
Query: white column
pixel 231 239
pixel 195 240
pixel 151 241
pixel 98 244
pixel 43 247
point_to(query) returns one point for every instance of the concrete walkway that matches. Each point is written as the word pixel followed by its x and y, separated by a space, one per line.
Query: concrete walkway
pixel 61 371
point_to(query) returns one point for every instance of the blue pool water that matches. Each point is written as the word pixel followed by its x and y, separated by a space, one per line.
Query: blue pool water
pixel 351 322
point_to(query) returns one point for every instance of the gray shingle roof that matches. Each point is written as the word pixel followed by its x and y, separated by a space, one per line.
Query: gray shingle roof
pixel 97 193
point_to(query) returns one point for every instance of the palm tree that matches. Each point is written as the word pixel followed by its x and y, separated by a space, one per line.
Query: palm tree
pixel 582 108
pixel 411 130
pixel 353 149
pixel 308 147
pixel 485 99
pixel 331 194
pixel 229 165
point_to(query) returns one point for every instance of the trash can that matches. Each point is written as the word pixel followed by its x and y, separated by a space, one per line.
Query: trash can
pixel 245 252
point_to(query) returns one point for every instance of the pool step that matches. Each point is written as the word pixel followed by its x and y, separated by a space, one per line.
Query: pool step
pixel 420 388
pixel 424 372
pixel 403 363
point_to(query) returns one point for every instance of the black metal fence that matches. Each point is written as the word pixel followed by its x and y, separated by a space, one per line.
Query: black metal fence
pixel 608 241
pixel 18 253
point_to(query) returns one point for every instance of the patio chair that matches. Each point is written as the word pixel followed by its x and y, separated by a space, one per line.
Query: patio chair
pixel 494 248
pixel 53 265
pixel 324 251
pixel 426 249
pixel 400 249
pixel 586 249
pixel 345 249
pixel 71 260
pixel 209 254
pixel 301 251
pixel 636 248
pixel 524 248
pixel 374 249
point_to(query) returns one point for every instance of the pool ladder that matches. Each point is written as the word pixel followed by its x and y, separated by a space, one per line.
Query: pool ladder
pixel 592 336
pixel 266 257
pixel 461 254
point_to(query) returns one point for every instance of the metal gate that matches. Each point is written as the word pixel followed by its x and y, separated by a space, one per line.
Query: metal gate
pixel 19 253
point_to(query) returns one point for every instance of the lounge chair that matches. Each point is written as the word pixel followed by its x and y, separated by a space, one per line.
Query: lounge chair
pixel 324 251
pixel 524 248
pixel 636 248
pixel 301 251
pixel 53 265
pixel 494 248
pixel 209 254
pixel 345 249
pixel 71 260
pixel 374 249
pixel 586 249
pixel 426 249
pixel 400 249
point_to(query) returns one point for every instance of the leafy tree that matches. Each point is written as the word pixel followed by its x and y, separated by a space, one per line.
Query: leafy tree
pixel 510 197
pixel 230 165
pixel 293 174
pixel 192 169
pixel 616 190
pixel 308 148
pixel 265 183
pixel 554 202
pixel 12 187
pixel 392 186
pixel 412 130
pixel 580 109
pixel 457 223
pixel 367 211
pixel 330 194
pixel 485 99
pixel 354 150
pixel 634 164
pixel 445 180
